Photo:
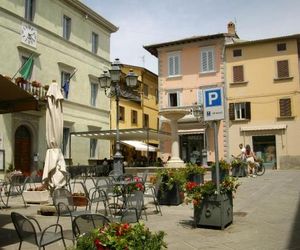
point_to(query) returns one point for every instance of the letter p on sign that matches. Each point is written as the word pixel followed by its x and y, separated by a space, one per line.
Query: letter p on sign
pixel 213 98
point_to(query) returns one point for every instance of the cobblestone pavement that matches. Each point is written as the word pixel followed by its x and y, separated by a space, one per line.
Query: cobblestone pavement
pixel 266 217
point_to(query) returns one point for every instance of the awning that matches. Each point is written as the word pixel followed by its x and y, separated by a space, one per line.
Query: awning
pixel 141 134
pixel 15 99
pixel 264 127
pixel 140 146
pixel 191 131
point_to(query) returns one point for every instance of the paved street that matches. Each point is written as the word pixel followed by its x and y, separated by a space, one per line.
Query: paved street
pixel 266 216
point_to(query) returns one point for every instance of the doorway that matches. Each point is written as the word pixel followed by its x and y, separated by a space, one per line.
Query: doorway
pixel 22 157
pixel 265 148
pixel 191 148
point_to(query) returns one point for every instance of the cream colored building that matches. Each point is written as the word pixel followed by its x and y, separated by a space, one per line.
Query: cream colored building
pixel 263 95
pixel 63 36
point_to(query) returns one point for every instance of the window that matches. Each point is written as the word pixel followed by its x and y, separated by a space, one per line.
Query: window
pixel 94 43
pixel 285 107
pixel 207 60
pixel 66 27
pixel 281 46
pixel 283 69
pixel 94 92
pixel 29 9
pixel 174 64
pixel 146 121
pixel 146 90
pixel 134 116
pixel 240 111
pixel 65 146
pixel 173 99
pixel 65 83
pixel 156 96
pixel 93 147
pixel 238 73
pixel 122 114
pixel 237 52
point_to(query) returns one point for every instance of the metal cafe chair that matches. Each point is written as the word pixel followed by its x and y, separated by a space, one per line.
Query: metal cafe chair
pixel 29 230
pixel 86 222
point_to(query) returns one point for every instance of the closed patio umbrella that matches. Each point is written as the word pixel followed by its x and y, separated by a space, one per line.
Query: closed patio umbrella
pixel 54 174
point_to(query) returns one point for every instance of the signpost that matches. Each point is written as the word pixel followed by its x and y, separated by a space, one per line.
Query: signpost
pixel 213 106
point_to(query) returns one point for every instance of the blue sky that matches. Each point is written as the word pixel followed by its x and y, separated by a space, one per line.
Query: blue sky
pixel 144 22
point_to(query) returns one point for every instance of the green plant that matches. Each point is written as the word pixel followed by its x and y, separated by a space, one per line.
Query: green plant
pixel 171 176
pixel 194 169
pixel 224 165
pixel 235 163
pixel 121 236
pixel 196 192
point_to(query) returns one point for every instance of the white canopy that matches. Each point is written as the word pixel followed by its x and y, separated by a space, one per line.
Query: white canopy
pixel 140 146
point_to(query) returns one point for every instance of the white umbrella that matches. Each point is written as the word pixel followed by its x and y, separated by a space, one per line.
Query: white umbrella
pixel 55 166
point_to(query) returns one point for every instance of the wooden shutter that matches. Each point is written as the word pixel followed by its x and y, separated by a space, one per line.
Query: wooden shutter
pixel 283 69
pixel 248 111
pixel 285 107
pixel 238 73
pixel 231 111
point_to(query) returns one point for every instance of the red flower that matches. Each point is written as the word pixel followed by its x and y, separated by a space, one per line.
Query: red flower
pixel 190 186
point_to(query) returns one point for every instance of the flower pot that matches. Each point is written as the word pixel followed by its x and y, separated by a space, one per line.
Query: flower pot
pixel 36 196
pixel 214 211
pixel 223 174
pixel 80 201
pixel 239 171
pixel 198 178
pixel 169 197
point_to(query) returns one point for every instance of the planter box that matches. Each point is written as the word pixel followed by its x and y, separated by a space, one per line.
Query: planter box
pixel 36 196
pixel 169 197
pixel 223 174
pixel 239 171
pixel 80 201
pixel 198 178
pixel 214 211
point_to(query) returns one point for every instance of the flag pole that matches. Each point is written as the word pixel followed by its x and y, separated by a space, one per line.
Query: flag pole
pixel 22 66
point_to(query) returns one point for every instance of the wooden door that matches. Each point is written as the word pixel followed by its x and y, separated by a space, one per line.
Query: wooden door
pixel 23 150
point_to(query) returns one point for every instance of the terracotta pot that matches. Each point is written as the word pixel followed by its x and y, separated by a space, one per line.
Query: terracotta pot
pixel 80 201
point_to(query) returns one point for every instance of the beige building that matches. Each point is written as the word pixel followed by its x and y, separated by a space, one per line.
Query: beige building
pixel 63 37
pixel 263 95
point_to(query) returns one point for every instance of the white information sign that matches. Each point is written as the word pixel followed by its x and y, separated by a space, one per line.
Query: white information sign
pixel 213 104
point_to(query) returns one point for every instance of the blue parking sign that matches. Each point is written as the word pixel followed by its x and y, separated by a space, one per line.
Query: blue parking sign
pixel 213 104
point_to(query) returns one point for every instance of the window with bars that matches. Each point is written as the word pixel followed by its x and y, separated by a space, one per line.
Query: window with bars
pixel 238 73
pixel 285 107
pixel 174 64
pixel 281 46
pixel 207 60
pixel 237 52
pixel 93 148
pixel 134 116
pixel 240 111
pixel 122 113
pixel 66 27
pixel 29 10
pixel 283 69
pixel 94 42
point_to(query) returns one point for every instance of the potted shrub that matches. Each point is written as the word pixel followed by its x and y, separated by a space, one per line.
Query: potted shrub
pixel 224 167
pixel 170 190
pixel 211 208
pixel 121 236
pixel 195 173
pixel 238 168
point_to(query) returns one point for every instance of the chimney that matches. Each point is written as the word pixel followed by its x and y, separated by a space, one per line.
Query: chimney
pixel 231 28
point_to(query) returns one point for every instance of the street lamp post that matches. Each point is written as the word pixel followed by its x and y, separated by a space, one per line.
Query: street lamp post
pixel 111 80
pixel 198 113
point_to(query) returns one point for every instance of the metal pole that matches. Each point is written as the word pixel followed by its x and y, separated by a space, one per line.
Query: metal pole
pixel 216 156
pixel 118 158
